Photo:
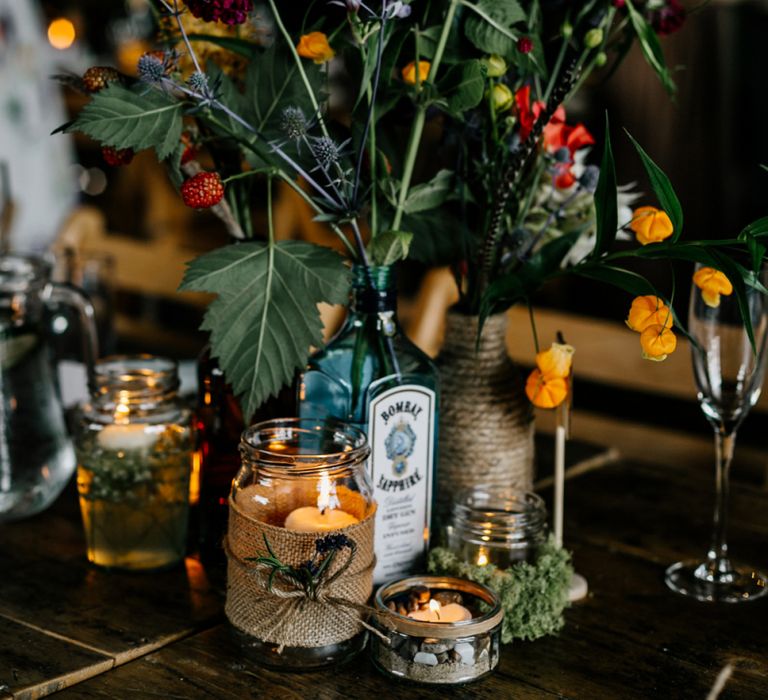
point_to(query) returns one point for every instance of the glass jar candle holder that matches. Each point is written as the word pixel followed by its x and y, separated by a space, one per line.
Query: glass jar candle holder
pixel 134 452
pixel 300 532
pixel 438 630
pixel 491 525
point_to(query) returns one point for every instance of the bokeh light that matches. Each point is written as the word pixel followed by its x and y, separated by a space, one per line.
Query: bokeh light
pixel 61 33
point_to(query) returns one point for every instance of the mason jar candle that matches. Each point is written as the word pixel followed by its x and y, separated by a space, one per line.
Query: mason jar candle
pixel 437 630
pixel 491 525
pixel 300 543
pixel 134 454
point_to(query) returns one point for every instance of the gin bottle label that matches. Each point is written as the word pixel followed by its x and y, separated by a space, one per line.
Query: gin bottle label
pixel 401 432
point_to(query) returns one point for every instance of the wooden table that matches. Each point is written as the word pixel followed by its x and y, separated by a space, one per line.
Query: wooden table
pixel 86 633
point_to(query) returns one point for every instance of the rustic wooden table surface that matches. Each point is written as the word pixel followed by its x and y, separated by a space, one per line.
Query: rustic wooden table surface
pixel 70 629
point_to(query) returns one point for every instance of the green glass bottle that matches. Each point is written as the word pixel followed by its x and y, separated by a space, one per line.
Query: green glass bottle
pixel 372 376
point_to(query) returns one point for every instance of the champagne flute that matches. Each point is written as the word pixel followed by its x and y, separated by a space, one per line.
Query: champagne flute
pixel 729 376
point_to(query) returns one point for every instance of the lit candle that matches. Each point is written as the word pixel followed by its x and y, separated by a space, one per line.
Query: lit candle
pixel 126 437
pixel 323 517
pixel 452 612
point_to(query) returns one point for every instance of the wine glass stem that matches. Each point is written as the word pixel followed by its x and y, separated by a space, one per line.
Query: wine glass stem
pixel 717 558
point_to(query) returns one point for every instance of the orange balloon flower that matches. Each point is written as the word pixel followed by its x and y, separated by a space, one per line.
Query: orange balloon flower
pixel 555 362
pixel 657 342
pixel 651 225
pixel 546 391
pixel 712 284
pixel 409 72
pixel 315 46
pixel 648 311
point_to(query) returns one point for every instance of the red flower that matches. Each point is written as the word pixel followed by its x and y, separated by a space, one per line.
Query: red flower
pixel 527 114
pixel 669 18
pixel 564 140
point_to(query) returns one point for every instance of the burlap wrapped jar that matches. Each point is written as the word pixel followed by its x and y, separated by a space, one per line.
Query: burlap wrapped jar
pixel 297 588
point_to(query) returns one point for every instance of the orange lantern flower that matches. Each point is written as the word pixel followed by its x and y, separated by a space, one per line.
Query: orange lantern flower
pixel 648 311
pixel 409 72
pixel 546 391
pixel 651 225
pixel 315 46
pixel 657 342
pixel 712 284
pixel 557 361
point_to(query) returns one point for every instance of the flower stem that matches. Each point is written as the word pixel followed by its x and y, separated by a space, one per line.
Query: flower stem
pixel 300 67
pixel 418 121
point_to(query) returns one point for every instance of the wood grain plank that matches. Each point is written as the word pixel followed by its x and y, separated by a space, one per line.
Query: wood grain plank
pixel 34 664
pixel 211 665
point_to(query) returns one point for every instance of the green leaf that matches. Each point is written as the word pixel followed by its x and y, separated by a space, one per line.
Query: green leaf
pixel 265 318
pixel 439 237
pixel 238 46
pixel 463 86
pixel 630 282
pixel 606 199
pixel 430 195
pixel 651 48
pixel 273 82
pixel 488 25
pixel 757 228
pixel 737 274
pixel 125 118
pixel 389 247
pixel 229 95
pixel 663 189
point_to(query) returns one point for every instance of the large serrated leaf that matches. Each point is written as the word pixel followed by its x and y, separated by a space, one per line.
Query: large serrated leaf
pixel 123 118
pixel 431 194
pixel 389 247
pixel 274 83
pixel 265 318
pixel 463 86
pixel 489 23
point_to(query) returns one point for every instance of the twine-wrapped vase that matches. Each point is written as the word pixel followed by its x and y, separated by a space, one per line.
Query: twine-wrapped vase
pixel 486 421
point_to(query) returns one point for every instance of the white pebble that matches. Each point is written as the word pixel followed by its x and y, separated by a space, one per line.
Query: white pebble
pixel 423 657
pixel 466 651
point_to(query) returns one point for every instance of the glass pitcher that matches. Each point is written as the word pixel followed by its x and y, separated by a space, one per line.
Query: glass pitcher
pixel 36 453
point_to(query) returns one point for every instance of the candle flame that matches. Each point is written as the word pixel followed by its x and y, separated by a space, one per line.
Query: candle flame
pixel 434 606
pixel 482 559
pixel 326 497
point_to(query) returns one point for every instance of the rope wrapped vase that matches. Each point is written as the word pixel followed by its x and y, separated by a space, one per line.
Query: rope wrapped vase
pixel 486 421
pixel 299 547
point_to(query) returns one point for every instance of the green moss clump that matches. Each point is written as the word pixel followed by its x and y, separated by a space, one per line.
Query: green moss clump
pixel 533 596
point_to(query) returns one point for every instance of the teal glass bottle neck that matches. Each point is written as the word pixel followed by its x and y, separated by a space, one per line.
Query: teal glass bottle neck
pixel 373 290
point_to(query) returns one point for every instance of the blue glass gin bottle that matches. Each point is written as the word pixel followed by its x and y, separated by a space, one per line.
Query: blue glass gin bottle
pixel 372 376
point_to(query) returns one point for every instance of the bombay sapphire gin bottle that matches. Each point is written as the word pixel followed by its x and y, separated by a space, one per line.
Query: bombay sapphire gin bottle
pixel 371 375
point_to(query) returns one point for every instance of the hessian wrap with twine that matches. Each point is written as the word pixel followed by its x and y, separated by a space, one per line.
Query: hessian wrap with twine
pixel 284 614
pixel 486 420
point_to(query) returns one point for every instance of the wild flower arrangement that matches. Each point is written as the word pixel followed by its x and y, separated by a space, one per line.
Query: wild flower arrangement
pixel 493 75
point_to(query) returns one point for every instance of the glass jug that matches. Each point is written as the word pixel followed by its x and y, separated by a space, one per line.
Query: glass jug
pixel 36 453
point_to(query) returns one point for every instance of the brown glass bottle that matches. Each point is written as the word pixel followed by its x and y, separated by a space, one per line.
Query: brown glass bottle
pixel 220 423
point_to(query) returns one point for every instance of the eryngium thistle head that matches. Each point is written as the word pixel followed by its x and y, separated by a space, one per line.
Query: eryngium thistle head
pixel 294 123
pixel 151 68
pixel 198 82
pixel 326 151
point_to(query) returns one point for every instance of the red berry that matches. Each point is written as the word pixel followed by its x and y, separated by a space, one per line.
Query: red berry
pixel 618 4
pixel 202 191
pixel 115 157
pixel 524 44
pixel 98 77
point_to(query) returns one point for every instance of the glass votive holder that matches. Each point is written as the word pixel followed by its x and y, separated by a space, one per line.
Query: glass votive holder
pixel 438 630
pixel 300 543
pixel 491 525
pixel 134 459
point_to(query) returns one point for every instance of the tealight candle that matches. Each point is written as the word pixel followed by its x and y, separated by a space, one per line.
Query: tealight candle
pixel 452 612
pixel 325 516
pixel 133 436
